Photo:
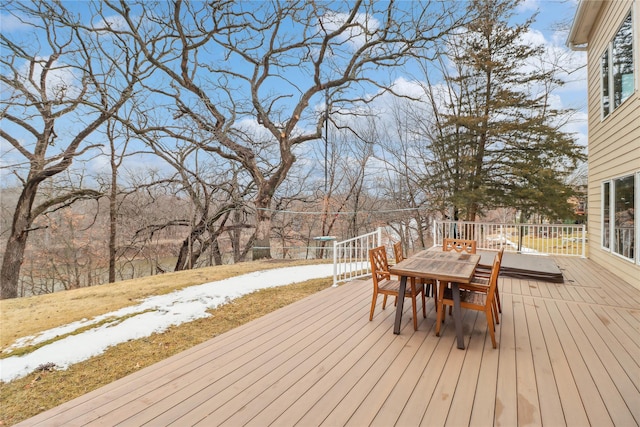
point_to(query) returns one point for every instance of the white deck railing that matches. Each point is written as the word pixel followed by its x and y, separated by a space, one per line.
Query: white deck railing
pixel 539 239
pixel 351 256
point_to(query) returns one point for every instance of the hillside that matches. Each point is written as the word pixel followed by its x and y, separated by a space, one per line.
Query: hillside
pixel 48 387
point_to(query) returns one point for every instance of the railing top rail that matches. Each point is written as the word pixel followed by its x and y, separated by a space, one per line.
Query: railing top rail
pixel 539 239
pixel 510 224
pixel 373 233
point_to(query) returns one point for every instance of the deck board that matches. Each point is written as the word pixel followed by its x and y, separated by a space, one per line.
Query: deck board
pixel 547 392
pixel 528 402
pixel 568 354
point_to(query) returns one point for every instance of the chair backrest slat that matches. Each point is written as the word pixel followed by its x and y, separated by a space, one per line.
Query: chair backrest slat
pixel 397 251
pixel 459 245
pixel 379 265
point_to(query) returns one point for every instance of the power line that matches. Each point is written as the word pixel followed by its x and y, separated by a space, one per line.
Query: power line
pixel 337 213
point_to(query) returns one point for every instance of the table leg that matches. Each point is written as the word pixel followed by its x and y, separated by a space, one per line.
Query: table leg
pixel 457 314
pixel 400 306
pixel 439 307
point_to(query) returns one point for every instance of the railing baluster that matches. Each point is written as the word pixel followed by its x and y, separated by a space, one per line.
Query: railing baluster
pixel 351 256
pixel 540 239
pixel 351 260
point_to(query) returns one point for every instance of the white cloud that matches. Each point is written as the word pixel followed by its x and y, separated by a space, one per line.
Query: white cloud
pixel 10 23
pixel 61 81
pixel 115 22
pixel 356 35
pixel 405 87
pixel 578 126
pixel 533 37
pixel 528 5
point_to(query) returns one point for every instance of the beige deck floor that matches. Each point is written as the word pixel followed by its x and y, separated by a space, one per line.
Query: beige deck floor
pixel 568 354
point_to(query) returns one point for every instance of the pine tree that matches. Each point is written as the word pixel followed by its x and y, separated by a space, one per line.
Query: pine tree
pixel 497 139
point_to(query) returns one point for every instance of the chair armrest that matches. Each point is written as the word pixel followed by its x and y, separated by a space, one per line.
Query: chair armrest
pixel 385 274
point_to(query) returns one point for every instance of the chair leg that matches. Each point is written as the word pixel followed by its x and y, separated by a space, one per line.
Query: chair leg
pixel 498 300
pixel 491 327
pixel 494 310
pixel 415 314
pixel 434 286
pixel 424 304
pixel 373 305
pixel 384 301
pixel 440 310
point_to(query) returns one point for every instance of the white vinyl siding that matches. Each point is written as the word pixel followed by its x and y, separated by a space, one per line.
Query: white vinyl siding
pixel 614 141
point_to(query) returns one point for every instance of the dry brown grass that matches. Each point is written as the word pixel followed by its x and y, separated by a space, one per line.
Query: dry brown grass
pixel 39 391
pixel 23 317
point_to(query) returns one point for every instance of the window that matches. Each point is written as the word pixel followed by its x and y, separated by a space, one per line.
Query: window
pixel 605 84
pixel 618 216
pixel 616 66
pixel 624 204
pixel 606 214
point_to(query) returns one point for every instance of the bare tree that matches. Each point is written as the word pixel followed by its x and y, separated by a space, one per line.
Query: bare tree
pixel 52 75
pixel 230 65
pixel 214 192
pixel 118 150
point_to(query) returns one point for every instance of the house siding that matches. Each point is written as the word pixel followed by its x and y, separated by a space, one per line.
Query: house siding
pixel 614 142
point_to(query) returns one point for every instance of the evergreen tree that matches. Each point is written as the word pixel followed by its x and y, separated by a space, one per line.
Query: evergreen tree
pixel 497 140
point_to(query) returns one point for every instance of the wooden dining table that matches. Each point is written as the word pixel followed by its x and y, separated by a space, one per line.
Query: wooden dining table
pixel 452 267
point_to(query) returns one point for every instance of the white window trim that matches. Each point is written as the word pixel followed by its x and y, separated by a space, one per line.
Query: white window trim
pixel 612 192
pixel 637 212
pixel 603 216
pixel 636 68
pixel 634 53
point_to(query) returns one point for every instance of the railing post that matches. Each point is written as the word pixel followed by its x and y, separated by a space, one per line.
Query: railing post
pixel 435 233
pixel 584 241
pixel 335 264
pixel 379 236
pixel 520 235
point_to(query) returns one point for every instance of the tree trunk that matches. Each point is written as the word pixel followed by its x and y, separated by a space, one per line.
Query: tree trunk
pixel 11 266
pixel 215 252
pixel 262 244
pixel 16 244
pixel 113 222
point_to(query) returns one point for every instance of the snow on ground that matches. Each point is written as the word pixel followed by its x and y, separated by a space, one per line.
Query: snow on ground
pixel 153 315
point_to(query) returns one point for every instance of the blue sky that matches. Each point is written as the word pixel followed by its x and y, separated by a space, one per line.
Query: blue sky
pixel 546 30
pixel 574 94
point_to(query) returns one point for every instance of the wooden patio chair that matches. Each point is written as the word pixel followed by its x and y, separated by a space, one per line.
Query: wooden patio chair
pixel 472 299
pixel 431 285
pixel 459 245
pixel 384 285
pixel 484 271
pixel 480 283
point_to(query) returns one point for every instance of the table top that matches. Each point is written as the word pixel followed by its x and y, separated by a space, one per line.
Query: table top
pixel 440 265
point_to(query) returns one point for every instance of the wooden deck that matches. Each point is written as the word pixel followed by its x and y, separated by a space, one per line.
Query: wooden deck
pixel 568 354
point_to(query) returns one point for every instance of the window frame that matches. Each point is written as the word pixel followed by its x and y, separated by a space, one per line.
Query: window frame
pixel 607 242
pixel 607 81
pixel 605 212
pixel 637 210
